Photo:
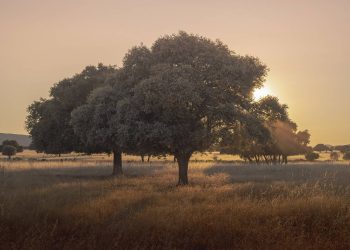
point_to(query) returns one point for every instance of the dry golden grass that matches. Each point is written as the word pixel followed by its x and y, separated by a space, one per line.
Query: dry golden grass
pixel 75 204
pixel 197 157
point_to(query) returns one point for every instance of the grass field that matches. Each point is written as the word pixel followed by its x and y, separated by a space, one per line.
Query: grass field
pixel 75 204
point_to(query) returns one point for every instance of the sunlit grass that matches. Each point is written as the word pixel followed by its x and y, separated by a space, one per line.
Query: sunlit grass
pixel 75 204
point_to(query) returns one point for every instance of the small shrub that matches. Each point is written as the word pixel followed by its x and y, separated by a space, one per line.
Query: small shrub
pixel 311 156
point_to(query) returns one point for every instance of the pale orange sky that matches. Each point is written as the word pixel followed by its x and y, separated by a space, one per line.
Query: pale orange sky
pixel 306 45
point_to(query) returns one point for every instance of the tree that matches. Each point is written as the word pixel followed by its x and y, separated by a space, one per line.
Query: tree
pixel 96 127
pixel 9 151
pixel 48 120
pixel 284 138
pixel 269 135
pixel 321 148
pixel 49 127
pixel 196 88
pixel 334 156
pixel 346 156
pixel 311 156
pixel 13 143
pixel 342 148
pixel 303 137
pixel 97 123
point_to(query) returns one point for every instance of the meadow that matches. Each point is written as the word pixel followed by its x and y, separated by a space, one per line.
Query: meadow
pixel 72 202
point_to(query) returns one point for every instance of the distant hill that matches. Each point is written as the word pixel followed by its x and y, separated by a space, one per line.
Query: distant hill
pixel 23 140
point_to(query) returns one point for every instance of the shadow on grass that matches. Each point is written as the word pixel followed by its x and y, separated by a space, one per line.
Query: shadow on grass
pixel 59 184
pixel 286 173
pixel 82 172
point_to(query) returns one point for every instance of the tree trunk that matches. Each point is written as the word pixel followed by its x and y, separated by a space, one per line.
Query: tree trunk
pixel 142 158
pixel 274 159
pixel 182 161
pixel 117 163
pixel 266 159
pixel 284 159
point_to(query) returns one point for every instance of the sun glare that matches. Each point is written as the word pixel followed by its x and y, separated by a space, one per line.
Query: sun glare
pixel 261 93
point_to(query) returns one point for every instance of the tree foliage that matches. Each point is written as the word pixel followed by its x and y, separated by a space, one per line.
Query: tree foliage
pixel 342 148
pixel 195 89
pixel 48 120
pixel 268 136
pixel 13 143
pixel 98 122
pixel 321 148
pixel 311 156
pixel 334 156
pixel 346 156
pixel 9 151
pixel 185 93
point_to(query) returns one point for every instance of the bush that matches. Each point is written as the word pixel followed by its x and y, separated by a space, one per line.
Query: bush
pixel 9 151
pixel 346 156
pixel 311 156
pixel 334 156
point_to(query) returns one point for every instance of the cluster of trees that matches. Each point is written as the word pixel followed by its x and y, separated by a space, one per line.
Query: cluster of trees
pixel 270 138
pixel 325 148
pixel 184 94
pixel 342 148
pixel 334 151
pixel 10 148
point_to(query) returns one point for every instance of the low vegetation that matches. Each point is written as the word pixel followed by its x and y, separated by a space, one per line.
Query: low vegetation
pixel 76 204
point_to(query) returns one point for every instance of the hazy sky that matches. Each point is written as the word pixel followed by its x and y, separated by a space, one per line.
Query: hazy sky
pixel 306 45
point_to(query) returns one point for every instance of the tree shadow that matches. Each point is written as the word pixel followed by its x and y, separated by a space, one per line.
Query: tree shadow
pixel 68 185
pixel 240 173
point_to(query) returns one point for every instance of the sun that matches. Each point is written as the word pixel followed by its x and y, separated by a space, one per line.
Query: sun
pixel 261 92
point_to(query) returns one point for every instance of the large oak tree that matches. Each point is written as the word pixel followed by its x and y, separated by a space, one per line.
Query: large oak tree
pixel 196 87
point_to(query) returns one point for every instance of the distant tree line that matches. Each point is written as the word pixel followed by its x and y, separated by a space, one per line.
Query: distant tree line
pixel 334 152
pixel 182 95
pixel 325 148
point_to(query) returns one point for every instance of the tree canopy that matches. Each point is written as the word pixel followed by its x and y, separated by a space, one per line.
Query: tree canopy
pixel 173 98
pixel 346 156
pixel 322 147
pixel 184 94
pixel 13 143
pixel 9 151
pixel 48 120
pixel 311 156
pixel 195 88
pixel 269 135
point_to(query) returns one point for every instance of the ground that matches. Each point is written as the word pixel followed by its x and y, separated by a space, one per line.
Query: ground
pixel 72 202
